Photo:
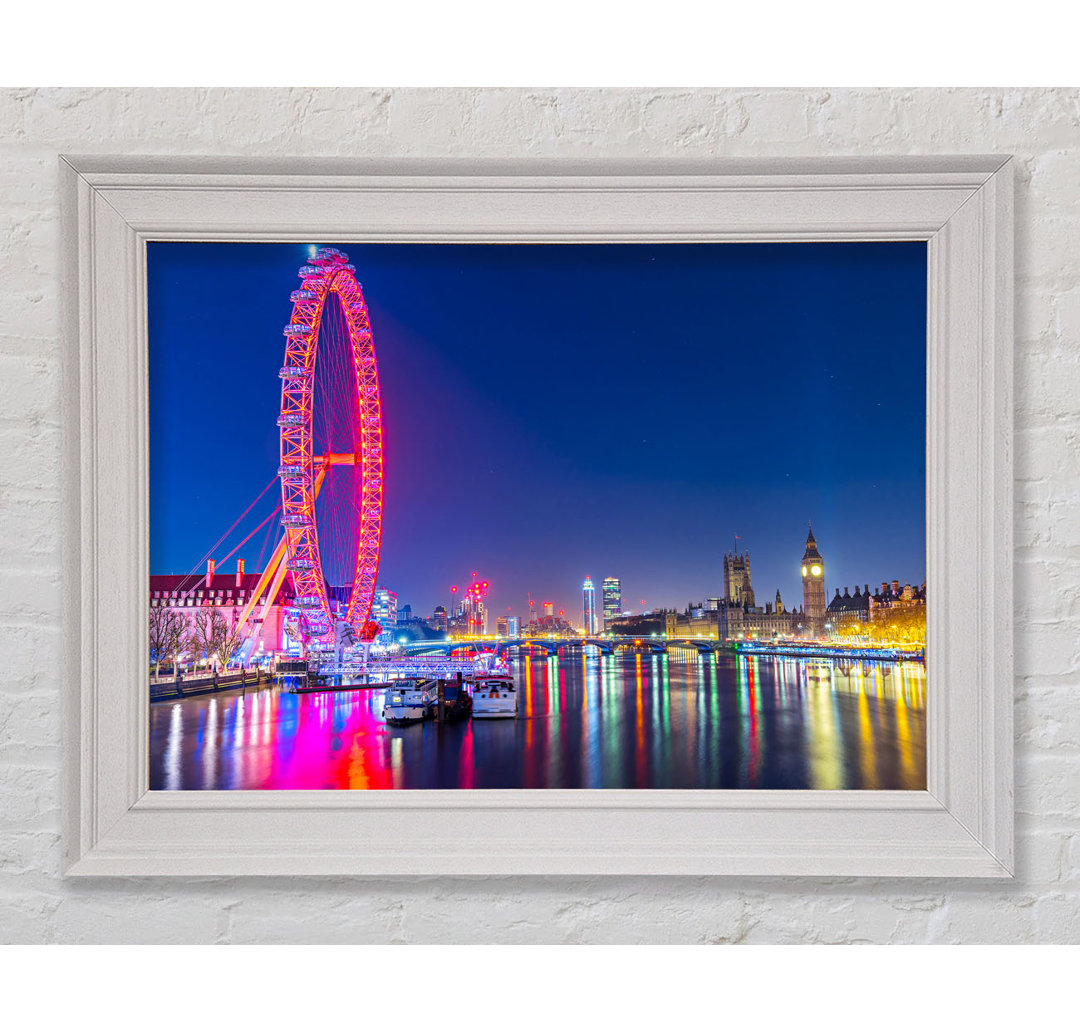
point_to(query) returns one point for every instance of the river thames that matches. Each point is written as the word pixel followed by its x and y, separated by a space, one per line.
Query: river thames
pixel 592 722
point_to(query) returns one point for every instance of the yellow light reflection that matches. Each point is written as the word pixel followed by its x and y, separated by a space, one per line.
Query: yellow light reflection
pixel 823 746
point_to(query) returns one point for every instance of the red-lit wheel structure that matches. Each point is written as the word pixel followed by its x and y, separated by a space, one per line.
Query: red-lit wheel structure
pixel 306 463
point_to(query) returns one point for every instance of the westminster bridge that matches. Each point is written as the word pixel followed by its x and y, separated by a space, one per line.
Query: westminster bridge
pixel 607 644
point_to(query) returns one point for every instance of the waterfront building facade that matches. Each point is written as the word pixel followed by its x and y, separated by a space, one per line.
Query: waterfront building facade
pixel 550 624
pixel 643 624
pixel 847 613
pixel 899 614
pixel 730 621
pixel 694 622
pixel 892 614
pixel 457 626
pixel 186 594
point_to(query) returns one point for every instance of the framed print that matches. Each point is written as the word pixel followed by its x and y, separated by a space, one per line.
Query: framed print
pixel 501 518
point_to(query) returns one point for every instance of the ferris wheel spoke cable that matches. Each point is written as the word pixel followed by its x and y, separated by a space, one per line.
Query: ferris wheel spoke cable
pixel 267 538
pixel 197 569
pixel 251 534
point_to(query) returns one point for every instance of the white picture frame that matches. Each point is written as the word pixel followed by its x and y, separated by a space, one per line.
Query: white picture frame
pixel 961 826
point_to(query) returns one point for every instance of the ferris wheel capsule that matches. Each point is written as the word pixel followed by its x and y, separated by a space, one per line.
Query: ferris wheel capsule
pixel 303 295
pixel 293 372
pixel 296 330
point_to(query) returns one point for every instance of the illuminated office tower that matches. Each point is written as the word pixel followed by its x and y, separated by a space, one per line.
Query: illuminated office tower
pixel 612 592
pixel 384 607
pixel 549 609
pixel 588 606
pixel 513 626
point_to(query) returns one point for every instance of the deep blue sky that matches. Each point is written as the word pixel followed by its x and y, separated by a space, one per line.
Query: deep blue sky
pixel 553 411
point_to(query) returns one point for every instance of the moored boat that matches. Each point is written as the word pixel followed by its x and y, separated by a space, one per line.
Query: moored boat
pixel 494 696
pixel 459 707
pixel 409 704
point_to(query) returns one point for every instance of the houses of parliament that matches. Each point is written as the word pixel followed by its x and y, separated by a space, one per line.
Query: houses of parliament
pixel 737 615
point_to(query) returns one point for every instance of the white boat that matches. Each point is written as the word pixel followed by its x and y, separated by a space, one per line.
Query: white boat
pixel 494 696
pixel 410 703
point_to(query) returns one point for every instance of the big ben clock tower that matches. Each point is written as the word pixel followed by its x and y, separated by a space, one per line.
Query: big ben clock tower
pixel 813 589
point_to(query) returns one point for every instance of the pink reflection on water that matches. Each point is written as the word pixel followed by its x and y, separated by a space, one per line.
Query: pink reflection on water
pixel 466 767
pixel 331 740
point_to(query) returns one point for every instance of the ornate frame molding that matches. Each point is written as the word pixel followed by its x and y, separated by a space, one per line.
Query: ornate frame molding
pixel 963 824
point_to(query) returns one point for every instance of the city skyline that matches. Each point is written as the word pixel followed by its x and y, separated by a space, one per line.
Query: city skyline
pixel 832 585
pixel 698 407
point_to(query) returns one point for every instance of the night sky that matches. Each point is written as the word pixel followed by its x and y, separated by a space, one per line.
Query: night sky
pixel 557 411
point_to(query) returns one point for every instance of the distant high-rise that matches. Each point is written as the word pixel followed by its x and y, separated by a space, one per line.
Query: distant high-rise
pixel 513 626
pixel 612 592
pixel 502 627
pixel 588 606
pixel 549 609
pixel 476 615
pixel 384 607
pixel 438 619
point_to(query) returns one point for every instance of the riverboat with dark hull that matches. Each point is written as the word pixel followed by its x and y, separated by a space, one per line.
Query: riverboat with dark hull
pixel 459 707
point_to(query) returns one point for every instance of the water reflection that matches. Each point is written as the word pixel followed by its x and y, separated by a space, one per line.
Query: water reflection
pixel 660 722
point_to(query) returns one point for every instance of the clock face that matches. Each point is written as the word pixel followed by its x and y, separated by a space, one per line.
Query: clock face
pixel 804 572
pixel 815 570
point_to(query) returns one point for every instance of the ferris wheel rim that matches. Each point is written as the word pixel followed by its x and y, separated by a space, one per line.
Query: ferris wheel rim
pixel 328 272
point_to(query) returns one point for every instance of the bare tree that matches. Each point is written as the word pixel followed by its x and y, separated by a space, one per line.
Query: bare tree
pixel 166 628
pixel 227 636
pixel 178 630
pixel 200 640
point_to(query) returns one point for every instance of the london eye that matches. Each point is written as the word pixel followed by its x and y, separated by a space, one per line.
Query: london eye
pixel 331 435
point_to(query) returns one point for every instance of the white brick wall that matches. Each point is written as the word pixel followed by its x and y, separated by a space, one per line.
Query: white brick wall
pixel 1041 127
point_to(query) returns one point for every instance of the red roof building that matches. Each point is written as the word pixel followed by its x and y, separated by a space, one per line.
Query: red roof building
pixel 185 593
